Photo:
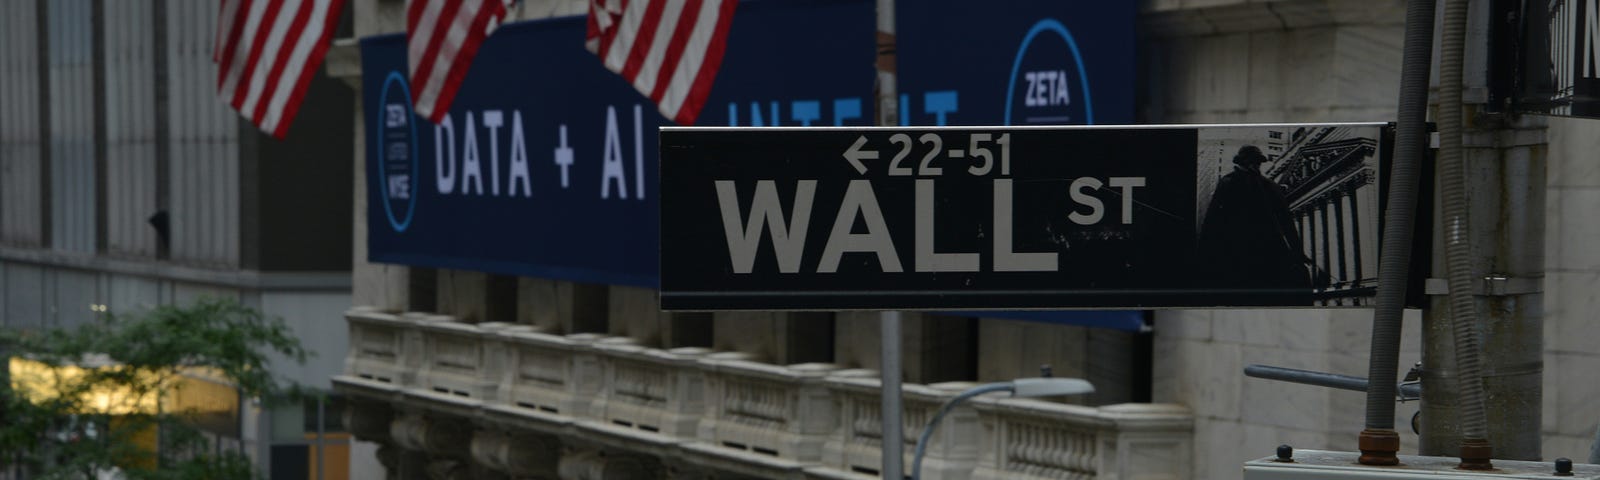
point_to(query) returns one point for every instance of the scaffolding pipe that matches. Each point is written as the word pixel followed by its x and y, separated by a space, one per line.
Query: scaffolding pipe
pixel 1322 379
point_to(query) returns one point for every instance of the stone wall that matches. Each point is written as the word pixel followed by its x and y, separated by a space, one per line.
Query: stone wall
pixel 1572 290
pixel 1286 61
pixel 1318 61
pixel 1202 61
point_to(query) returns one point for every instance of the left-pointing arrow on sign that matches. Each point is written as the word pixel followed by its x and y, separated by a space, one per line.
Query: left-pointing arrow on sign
pixel 855 154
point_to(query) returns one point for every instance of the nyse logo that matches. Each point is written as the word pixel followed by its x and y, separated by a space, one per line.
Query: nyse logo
pixel 394 115
pixel 400 187
pixel 394 160
pixel 398 152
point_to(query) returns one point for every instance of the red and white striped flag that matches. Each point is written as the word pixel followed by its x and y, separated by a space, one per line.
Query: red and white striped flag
pixel 668 49
pixel 266 52
pixel 442 36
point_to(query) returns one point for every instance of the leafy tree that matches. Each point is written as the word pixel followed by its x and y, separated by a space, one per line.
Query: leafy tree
pixel 97 398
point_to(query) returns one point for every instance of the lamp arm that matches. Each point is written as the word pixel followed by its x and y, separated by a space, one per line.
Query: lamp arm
pixel 933 424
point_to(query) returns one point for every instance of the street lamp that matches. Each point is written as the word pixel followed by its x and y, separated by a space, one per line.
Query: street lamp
pixel 1021 387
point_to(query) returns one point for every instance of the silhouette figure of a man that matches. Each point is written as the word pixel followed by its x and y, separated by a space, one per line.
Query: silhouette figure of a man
pixel 1249 239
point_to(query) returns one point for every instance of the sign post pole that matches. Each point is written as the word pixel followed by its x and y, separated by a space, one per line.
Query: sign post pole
pixel 889 363
pixel 889 369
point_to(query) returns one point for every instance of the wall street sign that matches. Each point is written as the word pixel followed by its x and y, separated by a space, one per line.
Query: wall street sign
pixel 1020 217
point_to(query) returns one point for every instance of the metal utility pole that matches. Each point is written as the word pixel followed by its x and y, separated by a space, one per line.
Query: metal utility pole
pixel 893 437
pixel 1505 180
pixel 1501 159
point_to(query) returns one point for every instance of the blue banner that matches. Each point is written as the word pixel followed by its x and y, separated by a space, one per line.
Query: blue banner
pixel 547 163
pixel 1019 62
pixel 1015 62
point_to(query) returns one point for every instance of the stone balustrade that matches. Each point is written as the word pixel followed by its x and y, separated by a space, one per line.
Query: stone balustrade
pixel 648 389
pixel 764 414
pixel 857 444
pixel 459 359
pixel 550 374
pixel 470 389
pixel 378 346
pixel 1031 439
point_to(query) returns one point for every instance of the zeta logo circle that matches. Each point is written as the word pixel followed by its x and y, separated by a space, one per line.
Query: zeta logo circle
pixel 397 170
pixel 1049 85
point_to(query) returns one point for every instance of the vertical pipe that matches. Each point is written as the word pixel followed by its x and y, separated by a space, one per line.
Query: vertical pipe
pixel 162 130
pixel 893 432
pixel 1475 450
pixel 889 362
pixel 888 98
pixel 46 128
pixel 1379 442
pixel 96 240
pixel 1594 448
pixel 263 434
pixel 322 412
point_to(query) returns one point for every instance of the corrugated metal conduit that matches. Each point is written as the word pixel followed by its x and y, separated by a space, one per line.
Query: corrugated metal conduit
pixel 1475 451
pixel 1379 442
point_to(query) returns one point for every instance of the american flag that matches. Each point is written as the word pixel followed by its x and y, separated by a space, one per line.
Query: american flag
pixel 668 49
pixel 266 52
pixel 442 36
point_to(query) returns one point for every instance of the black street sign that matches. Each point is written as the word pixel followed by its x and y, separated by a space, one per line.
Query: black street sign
pixel 1020 217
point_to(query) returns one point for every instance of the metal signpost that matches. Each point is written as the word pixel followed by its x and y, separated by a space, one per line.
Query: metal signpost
pixel 1020 217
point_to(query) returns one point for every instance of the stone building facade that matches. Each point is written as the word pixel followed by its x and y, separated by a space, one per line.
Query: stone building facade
pixel 460 373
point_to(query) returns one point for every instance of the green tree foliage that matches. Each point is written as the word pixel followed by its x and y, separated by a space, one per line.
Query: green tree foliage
pixel 107 406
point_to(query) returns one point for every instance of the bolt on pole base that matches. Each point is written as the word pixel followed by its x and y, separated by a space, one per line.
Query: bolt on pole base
pixel 1378 447
pixel 1475 454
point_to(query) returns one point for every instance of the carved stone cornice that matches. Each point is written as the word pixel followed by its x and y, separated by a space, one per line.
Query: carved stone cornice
pixel 517 454
pixel 368 420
